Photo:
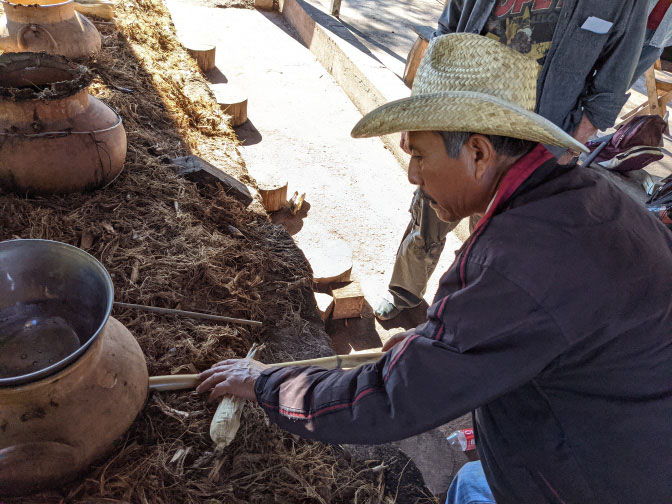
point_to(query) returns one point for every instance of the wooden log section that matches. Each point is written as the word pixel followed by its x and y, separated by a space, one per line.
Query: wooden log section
pixel 325 305
pixel 273 191
pixel 233 102
pixel 263 4
pixel 348 301
pixel 204 54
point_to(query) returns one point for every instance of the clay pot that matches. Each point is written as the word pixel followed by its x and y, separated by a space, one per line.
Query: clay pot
pixel 53 427
pixel 54 137
pixel 52 26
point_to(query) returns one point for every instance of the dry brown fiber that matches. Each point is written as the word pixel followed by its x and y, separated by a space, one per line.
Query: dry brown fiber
pixel 166 244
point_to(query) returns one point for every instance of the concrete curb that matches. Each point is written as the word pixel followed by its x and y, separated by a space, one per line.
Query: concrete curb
pixel 366 81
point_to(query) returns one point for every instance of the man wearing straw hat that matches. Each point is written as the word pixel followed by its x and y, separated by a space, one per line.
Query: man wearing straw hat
pixel 553 325
pixel 587 50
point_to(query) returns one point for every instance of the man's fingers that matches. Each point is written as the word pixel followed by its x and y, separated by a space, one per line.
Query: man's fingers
pixel 220 390
pixel 216 368
pixel 211 381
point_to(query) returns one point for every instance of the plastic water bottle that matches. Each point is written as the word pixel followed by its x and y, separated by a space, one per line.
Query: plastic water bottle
pixel 462 440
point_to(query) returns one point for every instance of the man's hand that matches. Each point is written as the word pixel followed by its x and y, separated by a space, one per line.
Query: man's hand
pixel 583 132
pixel 234 377
pixel 397 338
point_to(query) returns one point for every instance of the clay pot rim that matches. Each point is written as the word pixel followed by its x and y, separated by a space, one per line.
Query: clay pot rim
pixel 75 356
pixel 81 76
pixel 36 5
pixel 64 133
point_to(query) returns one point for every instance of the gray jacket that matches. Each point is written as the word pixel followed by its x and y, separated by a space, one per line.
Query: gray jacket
pixel 584 71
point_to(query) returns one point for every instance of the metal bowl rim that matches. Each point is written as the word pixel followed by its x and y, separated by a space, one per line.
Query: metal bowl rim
pixel 63 363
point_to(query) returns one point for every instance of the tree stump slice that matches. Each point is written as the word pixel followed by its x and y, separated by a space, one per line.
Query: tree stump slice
pixel 204 54
pixel 273 191
pixel 330 259
pixel 232 100
pixel 325 305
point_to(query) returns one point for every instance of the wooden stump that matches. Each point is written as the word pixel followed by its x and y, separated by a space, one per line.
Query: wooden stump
pixel 273 193
pixel 263 4
pixel 204 54
pixel 348 301
pixel 325 305
pixel 232 100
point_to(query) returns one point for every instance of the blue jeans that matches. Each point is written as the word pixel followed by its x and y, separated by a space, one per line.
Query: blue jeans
pixel 470 486
pixel 647 57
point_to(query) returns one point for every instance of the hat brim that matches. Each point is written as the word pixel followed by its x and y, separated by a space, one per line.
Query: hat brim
pixel 463 111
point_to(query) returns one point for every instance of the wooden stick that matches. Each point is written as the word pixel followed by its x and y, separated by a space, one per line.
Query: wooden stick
pixel 198 315
pixel 189 381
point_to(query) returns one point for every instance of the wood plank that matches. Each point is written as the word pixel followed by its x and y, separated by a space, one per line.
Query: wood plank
pixel 200 171
pixel 423 31
pixel 652 91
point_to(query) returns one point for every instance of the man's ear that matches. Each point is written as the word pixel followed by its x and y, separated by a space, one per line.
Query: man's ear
pixel 481 154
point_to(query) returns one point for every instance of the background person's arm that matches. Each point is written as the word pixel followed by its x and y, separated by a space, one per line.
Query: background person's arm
pixel 606 90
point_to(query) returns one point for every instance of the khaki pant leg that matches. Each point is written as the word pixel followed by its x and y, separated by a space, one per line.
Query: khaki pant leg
pixel 418 253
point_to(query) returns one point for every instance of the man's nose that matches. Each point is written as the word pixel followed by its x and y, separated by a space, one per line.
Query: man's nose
pixel 414 173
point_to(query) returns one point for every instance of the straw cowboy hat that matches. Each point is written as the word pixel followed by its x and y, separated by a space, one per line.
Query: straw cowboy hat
pixel 470 83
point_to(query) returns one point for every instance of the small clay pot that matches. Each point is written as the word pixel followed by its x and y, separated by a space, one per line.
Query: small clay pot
pixel 51 26
pixel 54 137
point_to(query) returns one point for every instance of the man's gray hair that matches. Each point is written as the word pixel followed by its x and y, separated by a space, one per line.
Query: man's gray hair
pixel 507 146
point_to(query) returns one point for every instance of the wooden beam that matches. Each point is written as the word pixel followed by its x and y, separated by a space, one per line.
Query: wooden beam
pixel 335 8
pixel 200 171
pixel 652 92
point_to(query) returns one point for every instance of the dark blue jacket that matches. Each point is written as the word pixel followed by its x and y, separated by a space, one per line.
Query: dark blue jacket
pixel 554 324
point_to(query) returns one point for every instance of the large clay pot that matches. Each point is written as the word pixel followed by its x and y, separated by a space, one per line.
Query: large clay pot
pixel 54 137
pixel 53 427
pixel 52 26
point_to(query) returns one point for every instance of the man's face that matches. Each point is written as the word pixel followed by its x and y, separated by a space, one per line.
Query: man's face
pixel 455 187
